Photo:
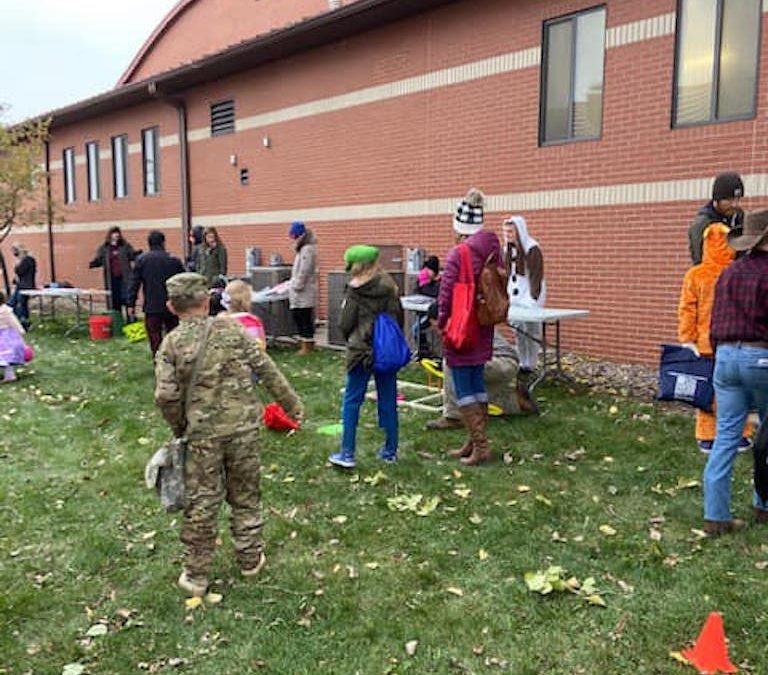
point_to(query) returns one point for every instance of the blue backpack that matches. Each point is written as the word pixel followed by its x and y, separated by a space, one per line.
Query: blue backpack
pixel 390 349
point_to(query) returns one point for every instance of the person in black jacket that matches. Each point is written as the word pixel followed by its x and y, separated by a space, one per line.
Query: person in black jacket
pixel 151 271
pixel 116 256
pixel 24 279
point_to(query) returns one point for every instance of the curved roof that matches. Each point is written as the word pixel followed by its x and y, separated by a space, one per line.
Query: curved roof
pixel 150 42
pixel 194 28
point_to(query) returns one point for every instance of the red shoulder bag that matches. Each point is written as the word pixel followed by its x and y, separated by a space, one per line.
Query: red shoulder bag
pixel 461 331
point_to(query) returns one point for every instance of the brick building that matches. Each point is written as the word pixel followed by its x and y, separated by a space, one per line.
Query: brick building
pixel 603 124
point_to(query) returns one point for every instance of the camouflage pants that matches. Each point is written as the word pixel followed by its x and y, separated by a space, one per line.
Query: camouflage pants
pixel 215 470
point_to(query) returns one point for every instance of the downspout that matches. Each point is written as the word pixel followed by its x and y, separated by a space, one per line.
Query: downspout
pixel 186 208
pixel 49 210
pixel 186 200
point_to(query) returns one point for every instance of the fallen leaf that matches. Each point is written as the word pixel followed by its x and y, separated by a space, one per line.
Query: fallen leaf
pixel 73 669
pixel 410 647
pixel 762 565
pixel 428 506
pixel 482 554
pixel 214 598
pixel 462 492
pixel 677 656
pixel 558 539
pixel 97 630
pixel 613 410
pixel 143 441
pixel 456 473
pixel 375 479
pixel 192 603
pixel 654 534
pixel 607 530
pixel 595 599
pixel 340 520
pixel 455 591
pixel 475 519
pixel 523 488
pixel 372 565
pixel 543 500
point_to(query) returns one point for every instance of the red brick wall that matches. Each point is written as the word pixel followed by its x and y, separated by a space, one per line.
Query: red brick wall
pixel 623 263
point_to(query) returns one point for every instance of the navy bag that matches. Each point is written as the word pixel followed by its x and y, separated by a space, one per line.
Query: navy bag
pixel 686 378
pixel 390 350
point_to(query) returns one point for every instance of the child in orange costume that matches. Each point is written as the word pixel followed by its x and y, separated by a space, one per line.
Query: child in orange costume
pixel 695 313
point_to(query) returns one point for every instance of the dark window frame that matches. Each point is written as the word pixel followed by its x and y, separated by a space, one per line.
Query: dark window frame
pixel 67 171
pixel 714 119
pixel 156 159
pixel 543 142
pixel 225 132
pixel 97 168
pixel 123 139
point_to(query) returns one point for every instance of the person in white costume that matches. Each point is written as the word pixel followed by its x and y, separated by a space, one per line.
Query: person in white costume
pixel 526 288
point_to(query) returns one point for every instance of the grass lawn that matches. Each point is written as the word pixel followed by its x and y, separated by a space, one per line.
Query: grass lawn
pixel 349 581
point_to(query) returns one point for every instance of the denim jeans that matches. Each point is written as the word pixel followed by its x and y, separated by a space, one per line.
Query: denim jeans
pixel 20 305
pixel 741 384
pixel 386 400
pixel 469 385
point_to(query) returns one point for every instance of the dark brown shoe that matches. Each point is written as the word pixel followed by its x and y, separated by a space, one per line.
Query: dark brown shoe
pixel 443 423
pixel 714 528
pixel 525 401
pixel 760 515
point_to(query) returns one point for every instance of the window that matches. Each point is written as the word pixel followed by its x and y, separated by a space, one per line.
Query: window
pixel 149 149
pixel 69 175
pixel 120 166
pixel 222 118
pixel 92 160
pixel 717 55
pixel 572 77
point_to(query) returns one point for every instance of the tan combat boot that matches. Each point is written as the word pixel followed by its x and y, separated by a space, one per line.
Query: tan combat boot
pixel 466 413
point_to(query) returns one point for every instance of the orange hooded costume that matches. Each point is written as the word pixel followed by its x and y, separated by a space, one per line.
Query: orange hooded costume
pixel 694 312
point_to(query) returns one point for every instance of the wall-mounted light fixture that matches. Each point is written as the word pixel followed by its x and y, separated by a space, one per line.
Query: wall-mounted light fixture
pixel 233 160
pixel 266 142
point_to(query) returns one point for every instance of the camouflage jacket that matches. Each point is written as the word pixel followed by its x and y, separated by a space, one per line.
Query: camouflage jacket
pixel 224 401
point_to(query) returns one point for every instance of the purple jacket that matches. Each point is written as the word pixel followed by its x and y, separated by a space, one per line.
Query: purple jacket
pixel 481 245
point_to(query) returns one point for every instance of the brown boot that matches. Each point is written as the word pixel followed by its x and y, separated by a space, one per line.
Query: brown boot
pixel 760 515
pixel 306 347
pixel 478 432
pixel 525 401
pixel 443 423
pixel 714 528
pixel 467 412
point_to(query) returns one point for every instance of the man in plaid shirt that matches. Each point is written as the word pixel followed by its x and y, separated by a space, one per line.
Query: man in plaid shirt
pixel 739 333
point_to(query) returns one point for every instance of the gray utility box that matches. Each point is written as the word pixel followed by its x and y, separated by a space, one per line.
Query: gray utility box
pixel 337 283
pixel 275 315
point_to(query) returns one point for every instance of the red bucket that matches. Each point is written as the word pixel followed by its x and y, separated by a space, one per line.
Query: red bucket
pixel 100 327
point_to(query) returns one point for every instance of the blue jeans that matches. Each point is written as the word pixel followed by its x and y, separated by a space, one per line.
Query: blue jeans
pixel 386 399
pixel 20 305
pixel 741 384
pixel 469 384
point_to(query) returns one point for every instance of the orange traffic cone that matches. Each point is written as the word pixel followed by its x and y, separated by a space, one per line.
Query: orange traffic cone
pixel 710 653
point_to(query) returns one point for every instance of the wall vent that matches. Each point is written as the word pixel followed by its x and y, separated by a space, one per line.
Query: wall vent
pixel 223 118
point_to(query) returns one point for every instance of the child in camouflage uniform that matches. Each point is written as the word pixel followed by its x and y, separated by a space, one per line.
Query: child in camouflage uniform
pixel 221 426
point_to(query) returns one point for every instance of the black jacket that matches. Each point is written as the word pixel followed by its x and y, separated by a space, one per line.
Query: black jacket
pixel 25 271
pixel 152 270
pixel 707 215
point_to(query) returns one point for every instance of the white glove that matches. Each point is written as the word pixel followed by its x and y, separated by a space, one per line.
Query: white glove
pixel 692 347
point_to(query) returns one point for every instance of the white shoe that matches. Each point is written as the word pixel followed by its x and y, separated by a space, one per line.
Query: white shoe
pixel 194 588
pixel 253 571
